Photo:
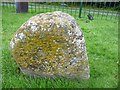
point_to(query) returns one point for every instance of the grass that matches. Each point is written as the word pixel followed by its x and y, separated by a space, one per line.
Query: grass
pixel 102 47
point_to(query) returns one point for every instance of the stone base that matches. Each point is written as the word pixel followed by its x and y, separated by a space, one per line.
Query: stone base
pixel 35 74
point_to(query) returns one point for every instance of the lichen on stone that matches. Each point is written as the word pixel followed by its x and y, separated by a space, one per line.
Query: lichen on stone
pixel 51 44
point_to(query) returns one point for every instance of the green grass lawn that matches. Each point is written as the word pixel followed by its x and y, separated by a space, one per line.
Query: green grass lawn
pixel 102 47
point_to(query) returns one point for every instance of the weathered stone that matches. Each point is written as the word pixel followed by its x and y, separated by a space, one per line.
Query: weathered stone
pixel 51 44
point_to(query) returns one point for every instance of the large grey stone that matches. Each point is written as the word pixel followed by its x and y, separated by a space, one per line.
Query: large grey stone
pixel 51 44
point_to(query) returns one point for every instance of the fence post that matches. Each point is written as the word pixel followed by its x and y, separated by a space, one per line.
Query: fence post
pixel 21 6
pixel 80 11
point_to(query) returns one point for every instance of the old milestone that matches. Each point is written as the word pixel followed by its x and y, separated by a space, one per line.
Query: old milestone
pixel 51 44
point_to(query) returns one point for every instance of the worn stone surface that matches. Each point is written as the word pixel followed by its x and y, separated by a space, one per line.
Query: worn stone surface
pixel 51 44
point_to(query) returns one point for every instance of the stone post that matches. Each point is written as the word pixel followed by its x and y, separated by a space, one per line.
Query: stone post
pixel 21 7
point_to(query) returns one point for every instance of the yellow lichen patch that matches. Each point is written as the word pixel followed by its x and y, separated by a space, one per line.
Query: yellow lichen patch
pixel 48 45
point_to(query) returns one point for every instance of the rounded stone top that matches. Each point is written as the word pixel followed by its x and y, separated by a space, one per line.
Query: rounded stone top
pixel 51 44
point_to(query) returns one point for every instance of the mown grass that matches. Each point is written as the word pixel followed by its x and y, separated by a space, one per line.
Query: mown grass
pixel 102 46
